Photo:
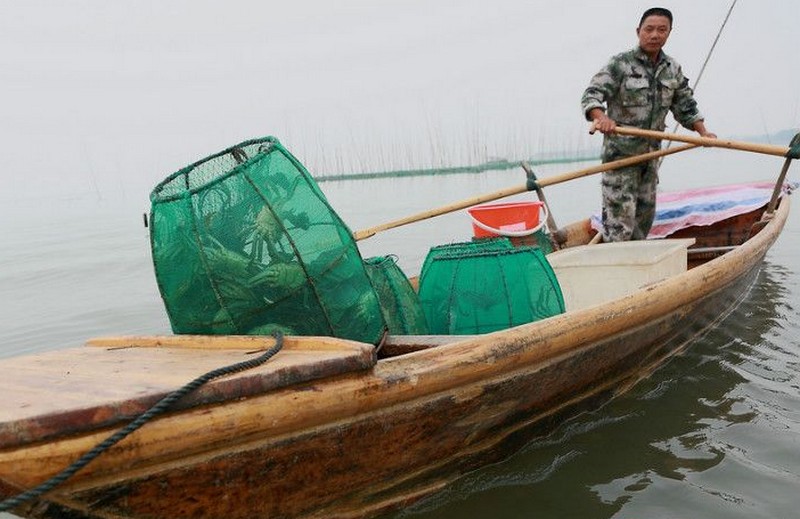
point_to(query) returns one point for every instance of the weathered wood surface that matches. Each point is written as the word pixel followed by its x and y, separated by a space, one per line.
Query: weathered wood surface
pixel 356 444
pixel 404 344
pixel 67 391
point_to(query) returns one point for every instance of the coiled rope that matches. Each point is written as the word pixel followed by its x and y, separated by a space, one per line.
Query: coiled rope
pixel 160 407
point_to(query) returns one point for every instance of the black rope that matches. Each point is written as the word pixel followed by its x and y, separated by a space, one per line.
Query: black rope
pixel 530 175
pixel 794 148
pixel 163 405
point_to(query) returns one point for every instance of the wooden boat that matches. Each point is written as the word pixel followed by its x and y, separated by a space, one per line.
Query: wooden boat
pixel 332 428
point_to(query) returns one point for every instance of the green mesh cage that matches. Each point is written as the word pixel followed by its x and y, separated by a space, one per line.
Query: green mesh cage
pixel 538 239
pixel 399 302
pixel 487 288
pixel 483 244
pixel 244 242
pixel 542 241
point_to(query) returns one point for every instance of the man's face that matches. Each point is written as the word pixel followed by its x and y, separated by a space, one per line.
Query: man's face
pixel 653 33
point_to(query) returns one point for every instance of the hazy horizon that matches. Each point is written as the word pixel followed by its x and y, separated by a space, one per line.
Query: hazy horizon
pixel 117 95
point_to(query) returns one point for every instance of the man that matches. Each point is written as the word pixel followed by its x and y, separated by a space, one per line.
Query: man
pixel 637 88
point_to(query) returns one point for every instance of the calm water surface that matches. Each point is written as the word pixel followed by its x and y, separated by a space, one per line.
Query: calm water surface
pixel 715 433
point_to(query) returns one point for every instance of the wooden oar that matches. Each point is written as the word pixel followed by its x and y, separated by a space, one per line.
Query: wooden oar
pixel 551 221
pixel 776 191
pixel 767 149
pixel 790 152
pixel 556 179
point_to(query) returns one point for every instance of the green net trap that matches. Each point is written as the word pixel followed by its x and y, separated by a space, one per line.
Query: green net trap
pixel 399 302
pixel 462 248
pixel 244 242
pixel 485 286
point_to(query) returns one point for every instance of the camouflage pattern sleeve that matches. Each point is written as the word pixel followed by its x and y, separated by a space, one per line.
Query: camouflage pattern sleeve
pixel 635 91
pixel 602 87
pixel 684 107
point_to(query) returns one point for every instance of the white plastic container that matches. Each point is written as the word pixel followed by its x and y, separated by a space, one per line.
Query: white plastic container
pixel 593 274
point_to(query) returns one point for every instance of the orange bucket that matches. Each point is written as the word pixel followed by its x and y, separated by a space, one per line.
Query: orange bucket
pixel 509 219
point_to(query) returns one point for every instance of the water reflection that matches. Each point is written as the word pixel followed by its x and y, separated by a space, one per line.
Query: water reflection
pixel 649 452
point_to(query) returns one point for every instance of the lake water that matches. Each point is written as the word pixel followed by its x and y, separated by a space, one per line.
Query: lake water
pixel 715 433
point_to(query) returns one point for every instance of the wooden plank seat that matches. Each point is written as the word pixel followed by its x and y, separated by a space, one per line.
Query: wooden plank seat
pixel 65 392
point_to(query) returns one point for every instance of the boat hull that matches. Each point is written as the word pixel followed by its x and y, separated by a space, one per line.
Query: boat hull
pixel 358 444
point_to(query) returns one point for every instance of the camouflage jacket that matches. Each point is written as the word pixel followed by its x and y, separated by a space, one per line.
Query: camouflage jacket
pixel 636 92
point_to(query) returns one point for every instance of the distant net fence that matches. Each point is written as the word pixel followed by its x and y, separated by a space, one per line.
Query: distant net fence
pixel 494 165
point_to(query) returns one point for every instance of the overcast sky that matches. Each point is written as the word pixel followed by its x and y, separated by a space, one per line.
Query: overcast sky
pixel 116 92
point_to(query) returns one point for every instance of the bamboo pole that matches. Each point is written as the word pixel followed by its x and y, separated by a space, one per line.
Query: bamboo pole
pixel 556 179
pixel 251 343
pixel 767 149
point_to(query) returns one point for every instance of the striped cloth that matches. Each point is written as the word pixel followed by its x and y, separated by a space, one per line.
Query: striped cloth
pixel 705 206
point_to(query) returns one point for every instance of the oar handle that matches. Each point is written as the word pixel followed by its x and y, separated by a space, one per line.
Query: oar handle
pixel 609 166
pixel 767 149
pixel 455 206
pixel 469 202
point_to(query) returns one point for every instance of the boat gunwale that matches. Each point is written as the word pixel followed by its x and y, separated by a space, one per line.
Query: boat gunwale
pixel 753 249
pixel 402 380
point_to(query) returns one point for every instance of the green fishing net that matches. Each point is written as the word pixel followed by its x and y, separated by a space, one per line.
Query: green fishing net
pixel 463 248
pixel 485 286
pixel 244 242
pixel 399 302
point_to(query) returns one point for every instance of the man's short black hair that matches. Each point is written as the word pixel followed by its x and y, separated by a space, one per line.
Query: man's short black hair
pixel 656 11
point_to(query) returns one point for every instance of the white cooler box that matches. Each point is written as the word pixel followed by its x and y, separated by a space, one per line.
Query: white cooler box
pixel 592 274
